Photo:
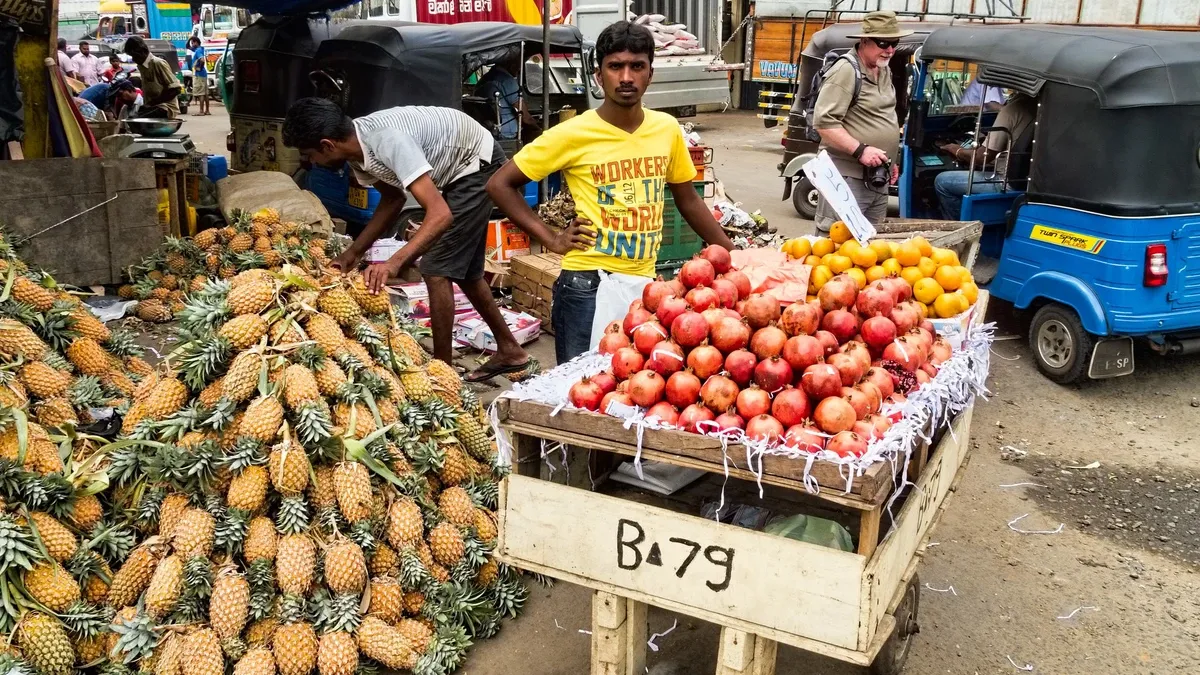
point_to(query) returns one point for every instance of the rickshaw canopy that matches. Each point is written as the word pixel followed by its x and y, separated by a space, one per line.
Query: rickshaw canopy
pixel 289 7
pixel 1124 67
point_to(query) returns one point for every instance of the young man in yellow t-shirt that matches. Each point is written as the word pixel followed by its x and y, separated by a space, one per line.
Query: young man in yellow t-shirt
pixel 619 161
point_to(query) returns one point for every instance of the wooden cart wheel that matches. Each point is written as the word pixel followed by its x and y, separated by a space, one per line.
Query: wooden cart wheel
pixel 894 654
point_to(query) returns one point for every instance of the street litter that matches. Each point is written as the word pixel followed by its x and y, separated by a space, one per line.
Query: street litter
pixel 1078 610
pixel 943 590
pixel 1093 465
pixel 1014 521
pixel 1013 485
pixel 1027 667
pixel 650 643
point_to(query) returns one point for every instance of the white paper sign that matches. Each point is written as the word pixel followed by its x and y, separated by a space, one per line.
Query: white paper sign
pixel 829 182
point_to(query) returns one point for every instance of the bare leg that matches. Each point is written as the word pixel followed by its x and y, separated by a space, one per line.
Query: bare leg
pixel 441 313
pixel 508 351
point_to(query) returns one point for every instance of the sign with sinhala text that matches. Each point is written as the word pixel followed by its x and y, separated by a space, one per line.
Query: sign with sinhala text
pixel 32 15
pixel 828 180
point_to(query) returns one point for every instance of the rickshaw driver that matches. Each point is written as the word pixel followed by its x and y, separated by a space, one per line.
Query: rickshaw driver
pixel 444 158
pixel 951 186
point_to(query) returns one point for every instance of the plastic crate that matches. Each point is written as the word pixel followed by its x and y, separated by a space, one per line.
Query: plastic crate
pixel 679 240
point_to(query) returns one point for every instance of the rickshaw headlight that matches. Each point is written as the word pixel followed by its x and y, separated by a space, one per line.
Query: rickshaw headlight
pixel 1156 265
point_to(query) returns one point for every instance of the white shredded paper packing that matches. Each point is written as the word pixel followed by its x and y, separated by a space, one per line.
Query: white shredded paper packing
pixel 959 381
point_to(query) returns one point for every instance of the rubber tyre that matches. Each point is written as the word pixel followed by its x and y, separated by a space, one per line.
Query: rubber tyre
pixel 894 654
pixel 1071 366
pixel 802 192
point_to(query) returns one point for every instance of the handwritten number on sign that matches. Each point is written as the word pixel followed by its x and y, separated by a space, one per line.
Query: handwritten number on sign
pixel 691 556
pixel 726 561
pixel 630 535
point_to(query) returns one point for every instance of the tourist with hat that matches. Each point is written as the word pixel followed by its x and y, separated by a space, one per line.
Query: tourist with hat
pixel 855 114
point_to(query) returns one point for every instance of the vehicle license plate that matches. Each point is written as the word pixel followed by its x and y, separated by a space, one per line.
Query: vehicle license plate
pixel 1112 358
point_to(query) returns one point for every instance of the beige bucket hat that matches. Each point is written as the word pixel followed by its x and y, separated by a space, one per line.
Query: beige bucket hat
pixel 882 26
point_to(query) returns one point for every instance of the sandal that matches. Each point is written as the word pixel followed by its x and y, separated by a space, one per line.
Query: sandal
pixel 514 372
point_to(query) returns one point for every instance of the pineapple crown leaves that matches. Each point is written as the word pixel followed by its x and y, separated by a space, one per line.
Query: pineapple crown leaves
pixel 220 415
pixel 261 577
pixel 339 613
pixel 459 603
pixel 230 531
pixel 190 609
pixel 313 423
pixel 294 608
pixel 311 356
pixel 363 534
pixel 54 494
pixel 182 421
pixel 19 548
pixel 445 653
pixel 19 311
pixel 441 414
pixel 85 392
pixel 246 452
pixel 375 385
pixel 12 480
pixel 292 516
pixel 113 541
pixel 58 362
pixel 248 260
pixel 148 506
pixel 84 565
pixel 128 459
pixel 56 326
pixel 136 637
pixel 143 287
pixel 203 359
pixel 330 520
pixel 198 577
pixel 123 343
pixel 510 594
pixel 413 573
pixel 484 492
pixel 426 456
pixel 357 450
pixel 11 664
pixel 85 621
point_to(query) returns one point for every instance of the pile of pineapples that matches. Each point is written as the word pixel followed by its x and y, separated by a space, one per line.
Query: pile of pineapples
pixel 259 240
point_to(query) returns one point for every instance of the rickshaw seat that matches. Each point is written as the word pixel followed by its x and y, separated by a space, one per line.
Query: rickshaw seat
pixel 989 208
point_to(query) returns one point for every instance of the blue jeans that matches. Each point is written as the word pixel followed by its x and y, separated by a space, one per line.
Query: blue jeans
pixel 951 187
pixel 572 312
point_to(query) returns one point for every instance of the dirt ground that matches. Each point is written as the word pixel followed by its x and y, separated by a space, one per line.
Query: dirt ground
pixel 1115 589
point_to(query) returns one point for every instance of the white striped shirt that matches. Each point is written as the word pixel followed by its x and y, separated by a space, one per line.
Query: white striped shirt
pixel 404 143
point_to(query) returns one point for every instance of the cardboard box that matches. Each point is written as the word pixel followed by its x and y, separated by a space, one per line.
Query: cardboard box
pixel 414 299
pixel 471 331
pixel 497 274
pixel 533 278
pixel 383 249
pixel 505 241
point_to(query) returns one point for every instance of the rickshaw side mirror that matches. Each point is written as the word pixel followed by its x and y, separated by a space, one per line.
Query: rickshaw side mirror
pixel 914 132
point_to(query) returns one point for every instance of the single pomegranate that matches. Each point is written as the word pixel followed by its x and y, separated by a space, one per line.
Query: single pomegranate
pixel 647 335
pixel 666 358
pixel 626 362
pixel 859 352
pixel 726 291
pixel 821 381
pixel 882 381
pixel 790 406
pixel 719 257
pixel 741 281
pixel 636 317
pixel 873 393
pixel 940 352
pixel 730 420
pixel 857 400
pixel 905 316
pixel 740 366
pixel 922 378
pixel 848 367
pixel 606 380
pixel 677 287
pixel 768 341
pixel 697 272
pixel 773 374
pixel 705 361
pixel 924 337
pixel 841 323
pixel 730 335
pixel 879 424
pixel 929 369
pixel 702 298
pixel 847 444
pixel 803 351
pixel 927 325
pixel 904 353
pixel 764 428
pixel 800 318
pixel 761 310
pixel 829 341
pixel 834 415
pixel 613 339
pixel 689 329
pixel 719 393
pixel 586 394
pixel 805 438
pixel 898 287
pixel 646 388
pixel 896 399
pixel 683 389
pixel 711 316
pixel 665 412
pixel 740 307
pixel 878 331
pixel 693 415
pixel 753 401
pixel 654 293
pixel 837 293
pixel 670 308
pixel 619 397
pixel 874 300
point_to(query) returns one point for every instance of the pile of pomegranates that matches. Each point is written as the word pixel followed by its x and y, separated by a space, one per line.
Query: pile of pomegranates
pixel 702 353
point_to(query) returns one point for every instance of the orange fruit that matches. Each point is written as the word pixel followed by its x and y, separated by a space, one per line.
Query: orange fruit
pixel 798 248
pixel 840 263
pixel 927 290
pixel 812 261
pixel 908 254
pixel 946 305
pixel 883 250
pixel 927 266
pixel 864 257
pixel 963 303
pixel 912 275
pixel 839 232
pixel 820 275
pixel 875 273
pixel 859 276
pixel 924 310
pixel 892 267
pixel 849 247
pixel 964 274
pixel 810 298
pixel 822 247
pixel 970 291
pixel 948 277
pixel 923 245
pixel 944 256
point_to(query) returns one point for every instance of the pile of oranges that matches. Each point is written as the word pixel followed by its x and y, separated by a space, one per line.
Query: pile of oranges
pixel 942 286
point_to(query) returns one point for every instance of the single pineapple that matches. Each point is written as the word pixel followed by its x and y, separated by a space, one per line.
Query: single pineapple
pixel 193 535
pixel 404 343
pixel 324 329
pixel 42 457
pixel 337 654
pixel 405 525
pixel 205 238
pixel 202 653
pixel 244 330
pixel 417 385
pixel 261 541
pixel 385 644
pixel 43 381
pixel 485 526
pixel 44 643
pixel 289 468
pixel 16 339
pixel 387 599
pixel 153 310
pixel 60 543
pixel 356 419
pixel 330 377
pixel 251 298
pixel 345 567
pixel 352 483
pixel 52 585
pixel 211 394
pixel 87 325
pixel 133 577
pixel 339 304
pixel 169 659
pixel 169 512
pixel 446 542
pixel 295 647
pixel 414 602
pixel 28 292
pixel 384 561
pixel 417 633
pixel 230 603
pixel 295 561
pixel 167 397
pixel 263 418
pixel 457 507
pixel 261 633
pixel 138 366
pixel 455 470
pixel 55 412
pixel 165 587
pixel 322 491
pixel 474 438
pixel 301 386
pixel 488 573
pixel 371 303
pixel 241 379
pixel 248 490
pixel 257 661
pixel 446 381
pixel 240 242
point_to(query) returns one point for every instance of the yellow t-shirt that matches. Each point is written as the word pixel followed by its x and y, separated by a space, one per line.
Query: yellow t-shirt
pixel 618 180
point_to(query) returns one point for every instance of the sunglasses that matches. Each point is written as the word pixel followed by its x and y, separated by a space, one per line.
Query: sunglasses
pixel 886 44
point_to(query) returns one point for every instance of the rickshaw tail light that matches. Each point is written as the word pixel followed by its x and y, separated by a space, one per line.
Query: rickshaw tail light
pixel 1156 265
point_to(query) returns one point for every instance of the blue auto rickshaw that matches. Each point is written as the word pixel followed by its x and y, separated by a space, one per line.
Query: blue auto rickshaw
pixel 1095 218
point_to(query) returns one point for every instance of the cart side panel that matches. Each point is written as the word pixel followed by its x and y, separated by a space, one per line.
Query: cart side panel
pixel 767 585
pixel 885 570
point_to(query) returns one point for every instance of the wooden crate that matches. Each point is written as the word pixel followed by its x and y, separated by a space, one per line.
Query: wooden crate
pixel 838 604
pixel 960 236
pixel 171 175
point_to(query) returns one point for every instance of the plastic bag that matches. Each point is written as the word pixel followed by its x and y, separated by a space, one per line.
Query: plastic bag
pixel 772 271
pixel 613 296
pixel 812 530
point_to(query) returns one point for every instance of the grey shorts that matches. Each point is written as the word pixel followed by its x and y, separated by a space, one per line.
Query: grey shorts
pixel 458 254
pixel 871 202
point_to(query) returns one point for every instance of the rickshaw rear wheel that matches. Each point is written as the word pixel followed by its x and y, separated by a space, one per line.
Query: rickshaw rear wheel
pixel 804 198
pixel 1061 346
pixel 894 653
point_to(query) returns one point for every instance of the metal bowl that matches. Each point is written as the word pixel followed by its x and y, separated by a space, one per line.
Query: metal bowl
pixel 153 127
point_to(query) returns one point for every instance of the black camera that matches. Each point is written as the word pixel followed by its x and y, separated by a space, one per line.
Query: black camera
pixel 878 177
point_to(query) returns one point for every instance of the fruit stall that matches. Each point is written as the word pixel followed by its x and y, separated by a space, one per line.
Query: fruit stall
pixel 829 398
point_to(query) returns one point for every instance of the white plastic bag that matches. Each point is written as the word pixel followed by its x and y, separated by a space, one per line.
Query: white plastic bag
pixel 613 296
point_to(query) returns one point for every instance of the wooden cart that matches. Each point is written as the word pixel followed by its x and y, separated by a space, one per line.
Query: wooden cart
pixel 858 607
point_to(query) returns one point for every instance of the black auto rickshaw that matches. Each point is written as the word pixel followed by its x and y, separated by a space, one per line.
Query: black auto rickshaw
pixel 799 145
